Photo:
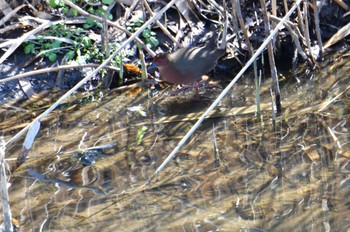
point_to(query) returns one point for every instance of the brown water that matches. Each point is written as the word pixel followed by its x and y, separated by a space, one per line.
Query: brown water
pixel 234 174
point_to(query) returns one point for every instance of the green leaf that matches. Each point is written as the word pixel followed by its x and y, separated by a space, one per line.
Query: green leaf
pixel 87 26
pixel 54 27
pixel 70 55
pixel 153 40
pixel 52 57
pixel 55 3
pixel 90 21
pixel 100 11
pixel 56 44
pixel 140 133
pixel 146 33
pixel 99 24
pixel 109 16
pixel 78 31
pixel 108 2
pixel 81 59
pixel 138 23
pixel 74 12
pixel 65 10
pixel 29 48
pixel 91 10
pixel 86 41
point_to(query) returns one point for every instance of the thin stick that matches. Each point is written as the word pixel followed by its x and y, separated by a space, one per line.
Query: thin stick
pixel 307 33
pixel 4 193
pixel 272 63
pixel 242 25
pixel 317 26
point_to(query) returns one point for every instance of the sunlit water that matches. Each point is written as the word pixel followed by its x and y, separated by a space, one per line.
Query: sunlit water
pixel 235 174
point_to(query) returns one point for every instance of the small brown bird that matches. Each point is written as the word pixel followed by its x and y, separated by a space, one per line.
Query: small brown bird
pixel 187 65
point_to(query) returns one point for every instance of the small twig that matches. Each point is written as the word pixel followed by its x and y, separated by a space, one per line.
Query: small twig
pixel 272 63
pixel 307 33
pixel 60 73
pixel 317 26
pixel 342 4
pixel 300 21
pixel 4 193
pixel 242 25
pixel 216 150
pixel 285 4
pixel 327 103
pixel 339 35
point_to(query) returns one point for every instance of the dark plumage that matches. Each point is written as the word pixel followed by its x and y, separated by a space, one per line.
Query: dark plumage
pixel 187 65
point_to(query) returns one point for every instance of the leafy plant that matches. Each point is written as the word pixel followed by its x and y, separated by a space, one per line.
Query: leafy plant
pixel 56 3
pixel 70 41
pixel 148 35
pixel 140 134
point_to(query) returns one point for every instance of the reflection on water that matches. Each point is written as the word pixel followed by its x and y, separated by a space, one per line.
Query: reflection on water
pixel 234 174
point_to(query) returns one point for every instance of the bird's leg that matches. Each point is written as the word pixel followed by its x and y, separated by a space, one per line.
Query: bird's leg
pixel 196 86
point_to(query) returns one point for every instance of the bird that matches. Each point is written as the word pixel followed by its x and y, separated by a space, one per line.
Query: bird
pixel 187 65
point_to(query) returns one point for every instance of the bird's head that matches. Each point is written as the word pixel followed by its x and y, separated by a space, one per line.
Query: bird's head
pixel 161 59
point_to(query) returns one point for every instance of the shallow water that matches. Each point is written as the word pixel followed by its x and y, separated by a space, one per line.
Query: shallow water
pixel 235 174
